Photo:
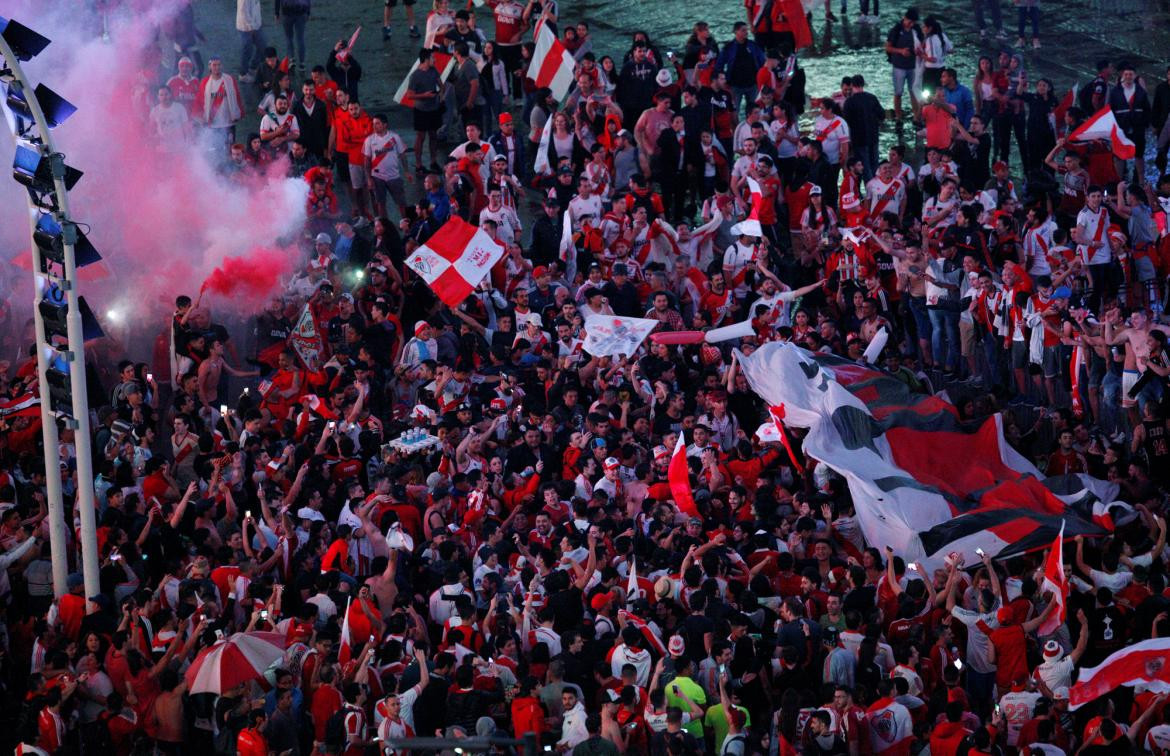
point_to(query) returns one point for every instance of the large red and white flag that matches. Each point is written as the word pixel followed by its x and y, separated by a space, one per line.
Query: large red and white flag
pixel 552 64
pixel 443 62
pixel 1055 581
pixel 345 649
pixel 679 475
pixel 1102 125
pixel 926 481
pixel 455 260
pixel 1142 663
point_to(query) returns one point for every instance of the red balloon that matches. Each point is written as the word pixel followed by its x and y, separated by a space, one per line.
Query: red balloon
pixel 674 338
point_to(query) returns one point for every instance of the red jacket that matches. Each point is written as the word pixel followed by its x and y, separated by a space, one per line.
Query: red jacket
pixel 945 739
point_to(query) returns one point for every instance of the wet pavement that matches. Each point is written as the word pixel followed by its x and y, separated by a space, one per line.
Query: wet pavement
pixel 1074 35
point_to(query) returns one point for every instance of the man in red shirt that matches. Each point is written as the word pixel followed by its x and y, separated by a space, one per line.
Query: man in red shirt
pixel 1066 459
pixel 1009 644
pixel 350 129
pixel 250 741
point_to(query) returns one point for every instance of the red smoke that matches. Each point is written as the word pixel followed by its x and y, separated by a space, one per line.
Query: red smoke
pixel 254 276
pixel 162 221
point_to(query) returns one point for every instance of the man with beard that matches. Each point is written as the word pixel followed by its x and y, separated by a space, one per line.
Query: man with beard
pixel 280 127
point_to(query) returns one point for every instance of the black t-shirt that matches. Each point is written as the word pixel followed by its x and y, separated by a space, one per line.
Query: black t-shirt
pixel 568 609
pixel 902 37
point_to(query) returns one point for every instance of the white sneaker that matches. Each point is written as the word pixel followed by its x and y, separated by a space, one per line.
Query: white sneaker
pixel 1001 34
pixel 247 78
pixel 1035 44
pixel 874 19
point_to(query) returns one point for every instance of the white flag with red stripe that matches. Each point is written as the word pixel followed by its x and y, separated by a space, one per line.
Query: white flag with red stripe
pixel 678 474
pixel 1103 125
pixel 25 405
pixel 455 260
pixel 1056 582
pixel 443 62
pixel 552 64
pixel 647 631
pixel 1142 663
pixel 750 226
pixel 345 649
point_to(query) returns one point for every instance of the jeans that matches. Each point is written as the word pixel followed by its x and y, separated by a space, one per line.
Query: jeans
pixel 980 686
pixel 996 16
pixel 1030 14
pixel 252 46
pixel 294 25
pixel 991 359
pixel 944 325
pixel 741 93
pixel 865 8
pixel 869 158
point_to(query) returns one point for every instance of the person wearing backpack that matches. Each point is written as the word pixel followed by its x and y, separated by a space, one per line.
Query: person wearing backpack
pixel 293 15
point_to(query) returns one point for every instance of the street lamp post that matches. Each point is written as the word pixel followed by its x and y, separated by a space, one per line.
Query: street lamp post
pixel 54 263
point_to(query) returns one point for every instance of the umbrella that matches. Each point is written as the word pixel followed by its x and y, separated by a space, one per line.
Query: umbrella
pixel 234 660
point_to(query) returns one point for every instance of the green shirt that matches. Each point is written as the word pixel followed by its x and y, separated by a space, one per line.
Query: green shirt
pixel 716 719
pixel 693 692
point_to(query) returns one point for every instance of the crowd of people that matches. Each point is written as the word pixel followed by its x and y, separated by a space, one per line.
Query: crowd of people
pixel 459 521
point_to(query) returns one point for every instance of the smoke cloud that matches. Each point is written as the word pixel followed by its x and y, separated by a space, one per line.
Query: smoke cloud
pixel 163 222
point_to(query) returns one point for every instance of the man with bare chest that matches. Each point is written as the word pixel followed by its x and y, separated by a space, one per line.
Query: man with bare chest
pixel 210 371
pixel 1135 335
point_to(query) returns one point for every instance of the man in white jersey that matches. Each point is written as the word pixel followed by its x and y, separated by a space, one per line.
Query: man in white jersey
pixel 172 127
pixel 382 152
pixel 885 192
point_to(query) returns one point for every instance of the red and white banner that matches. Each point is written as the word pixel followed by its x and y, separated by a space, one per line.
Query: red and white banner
pixel 1056 582
pixel 443 62
pixel 552 64
pixel 612 335
pixel 925 482
pixel 345 649
pixel 306 341
pixel 678 473
pixel 25 405
pixel 1140 664
pixel 648 632
pixel 455 260
pixel 1102 125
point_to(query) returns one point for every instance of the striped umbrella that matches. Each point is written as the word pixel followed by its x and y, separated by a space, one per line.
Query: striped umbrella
pixel 234 660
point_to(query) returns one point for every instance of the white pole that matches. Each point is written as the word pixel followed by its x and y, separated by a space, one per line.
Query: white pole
pixel 76 346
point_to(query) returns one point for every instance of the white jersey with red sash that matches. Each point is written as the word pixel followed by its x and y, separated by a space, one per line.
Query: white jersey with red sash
pixel 1037 242
pixel 830 133
pixel 220 102
pixel 739 258
pixel 1093 225
pixel 885 197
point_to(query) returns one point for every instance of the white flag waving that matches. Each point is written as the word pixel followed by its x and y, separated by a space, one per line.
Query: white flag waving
pixel 610 335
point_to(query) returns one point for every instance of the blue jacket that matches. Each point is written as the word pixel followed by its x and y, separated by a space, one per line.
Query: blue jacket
pixel 498 143
pixel 963 102
pixel 727 57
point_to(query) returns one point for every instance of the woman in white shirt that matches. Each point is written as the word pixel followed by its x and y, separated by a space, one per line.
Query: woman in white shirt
pixel 933 54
